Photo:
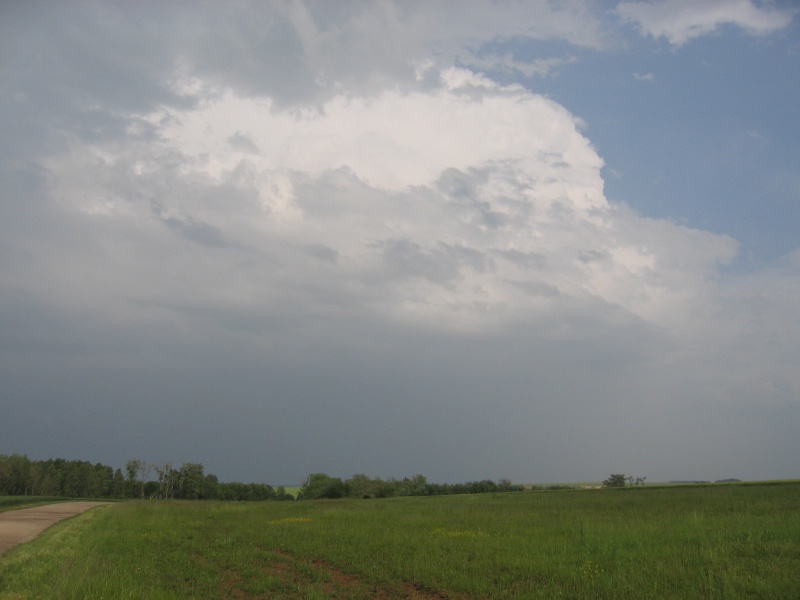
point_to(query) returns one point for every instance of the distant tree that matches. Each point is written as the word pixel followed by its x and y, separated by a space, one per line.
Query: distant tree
pixel 131 468
pixel 150 489
pixel 15 475
pixel 616 480
pixel 167 478
pixel 210 487
pixel 363 486
pixel 103 479
pixel 320 485
pixel 137 470
pixel 417 485
pixel 191 481
pixel 118 485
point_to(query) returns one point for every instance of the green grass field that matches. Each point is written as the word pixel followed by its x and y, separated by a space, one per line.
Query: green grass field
pixel 726 541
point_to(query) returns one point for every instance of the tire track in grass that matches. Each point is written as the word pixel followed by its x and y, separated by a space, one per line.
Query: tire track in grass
pixel 289 577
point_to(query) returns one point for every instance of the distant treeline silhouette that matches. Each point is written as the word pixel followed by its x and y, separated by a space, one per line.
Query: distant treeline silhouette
pixel 21 476
pixel 320 485
pixel 81 479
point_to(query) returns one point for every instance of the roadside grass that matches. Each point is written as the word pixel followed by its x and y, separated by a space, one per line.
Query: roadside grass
pixel 14 502
pixel 732 541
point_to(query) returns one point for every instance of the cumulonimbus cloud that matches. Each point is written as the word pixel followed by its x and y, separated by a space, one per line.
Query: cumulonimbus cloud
pixel 463 205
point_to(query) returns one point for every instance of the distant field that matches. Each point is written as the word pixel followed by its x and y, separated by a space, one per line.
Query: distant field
pixel 294 491
pixel 724 541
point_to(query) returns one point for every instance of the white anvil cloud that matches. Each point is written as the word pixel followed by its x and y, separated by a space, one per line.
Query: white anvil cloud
pixel 460 206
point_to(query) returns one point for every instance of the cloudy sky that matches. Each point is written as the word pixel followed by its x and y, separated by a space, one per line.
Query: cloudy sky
pixel 539 240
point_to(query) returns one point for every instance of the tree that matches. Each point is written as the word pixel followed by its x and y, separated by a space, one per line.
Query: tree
pixel 167 480
pixel 363 486
pixel 118 485
pixel 191 481
pixel 616 480
pixel 320 485
pixel 15 472
pixel 210 487
pixel 136 467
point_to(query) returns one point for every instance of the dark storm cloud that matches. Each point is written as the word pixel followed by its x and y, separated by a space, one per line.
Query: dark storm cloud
pixel 386 402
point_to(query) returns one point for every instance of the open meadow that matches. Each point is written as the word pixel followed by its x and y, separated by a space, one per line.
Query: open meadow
pixel 718 541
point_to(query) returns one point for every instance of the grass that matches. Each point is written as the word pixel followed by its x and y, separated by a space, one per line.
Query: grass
pixel 732 541
pixel 13 502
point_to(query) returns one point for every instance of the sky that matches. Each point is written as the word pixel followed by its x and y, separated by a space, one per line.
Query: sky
pixel 543 241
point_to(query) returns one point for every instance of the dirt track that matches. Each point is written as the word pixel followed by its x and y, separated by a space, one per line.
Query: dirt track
pixel 22 525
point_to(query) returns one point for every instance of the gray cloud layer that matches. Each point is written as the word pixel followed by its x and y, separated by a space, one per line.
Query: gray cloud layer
pixel 243 237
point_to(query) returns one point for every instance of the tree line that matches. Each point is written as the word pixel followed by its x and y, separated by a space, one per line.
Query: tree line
pixel 20 476
pixel 320 485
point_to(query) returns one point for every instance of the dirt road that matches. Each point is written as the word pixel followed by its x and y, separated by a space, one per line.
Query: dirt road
pixel 18 526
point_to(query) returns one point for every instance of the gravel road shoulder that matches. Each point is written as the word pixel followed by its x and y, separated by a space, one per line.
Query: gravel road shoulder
pixel 24 524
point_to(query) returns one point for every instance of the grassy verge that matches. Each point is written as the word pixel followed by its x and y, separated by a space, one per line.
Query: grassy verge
pixel 14 502
pixel 708 542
